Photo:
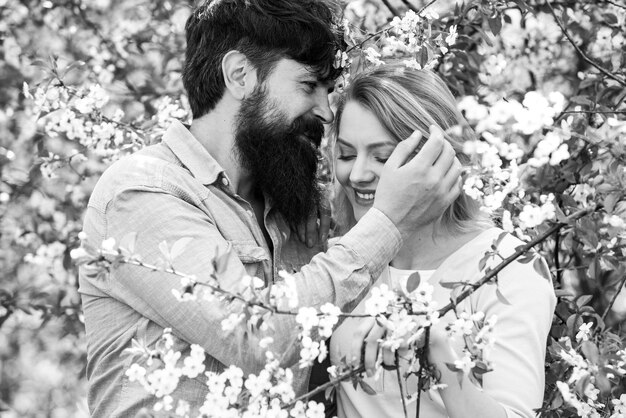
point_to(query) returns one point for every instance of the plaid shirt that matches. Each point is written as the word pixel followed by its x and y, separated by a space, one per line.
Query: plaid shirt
pixel 176 190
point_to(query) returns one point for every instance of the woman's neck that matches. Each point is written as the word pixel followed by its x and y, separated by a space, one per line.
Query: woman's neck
pixel 426 249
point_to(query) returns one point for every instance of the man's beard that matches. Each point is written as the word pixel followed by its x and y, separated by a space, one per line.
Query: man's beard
pixel 281 157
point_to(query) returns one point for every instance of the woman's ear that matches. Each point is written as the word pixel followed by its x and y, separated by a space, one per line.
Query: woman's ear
pixel 239 74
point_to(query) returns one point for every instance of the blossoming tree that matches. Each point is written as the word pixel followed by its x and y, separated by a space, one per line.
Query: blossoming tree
pixel 541 82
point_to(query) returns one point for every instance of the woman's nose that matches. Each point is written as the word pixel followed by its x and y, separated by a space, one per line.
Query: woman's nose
pixel 362 172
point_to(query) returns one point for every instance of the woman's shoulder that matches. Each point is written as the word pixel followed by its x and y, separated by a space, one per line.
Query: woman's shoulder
pixel 488 250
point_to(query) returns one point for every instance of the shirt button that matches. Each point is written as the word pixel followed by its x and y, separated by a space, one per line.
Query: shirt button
pixel 224 181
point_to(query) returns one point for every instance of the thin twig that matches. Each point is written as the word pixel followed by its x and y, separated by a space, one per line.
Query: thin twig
pixel 392 9
pixel 410 6
pixel 521 250
pixel 618 290
pixel 596 111
pixel 330 383
pixel 492 273
pixel 557 266
pixel 423 364
pixel 430 3
pixel 397 363
pixel 615 4
pixel 580 52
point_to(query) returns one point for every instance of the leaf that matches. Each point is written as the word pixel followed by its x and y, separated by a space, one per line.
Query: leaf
pixel 179 247
pixel 495 24
pixel 165 250
pixel 452 285
pixel 501 297
pixel 366 388
pixel 413 282
pixel 527 258
pixel 423 56
pixel 583 300
pixel 128 242
pixel 563 293
pixel 591 352
pixel 329 393
pixel 610 19
pixel 582 100
pixel 541 268
pixel 611 200
pixel 220 262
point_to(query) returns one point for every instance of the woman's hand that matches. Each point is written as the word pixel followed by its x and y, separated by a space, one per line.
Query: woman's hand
pixel 368 346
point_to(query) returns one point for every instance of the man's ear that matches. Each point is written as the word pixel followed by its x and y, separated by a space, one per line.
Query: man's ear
pixel 239 74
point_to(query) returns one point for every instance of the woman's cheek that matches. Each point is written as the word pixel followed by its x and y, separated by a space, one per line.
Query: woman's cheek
pixel 342 172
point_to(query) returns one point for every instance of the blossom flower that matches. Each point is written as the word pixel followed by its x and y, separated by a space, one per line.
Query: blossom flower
pixel 307 318
pixel 328 320
pixel 108 245
pixel 232 321
pixel 284 294
pixel 465 364
pixel 136 373
pixel 584 331
pixel 619 405
pixel 379 299
pixel 452 35
pixel 373 56
pixel 412 63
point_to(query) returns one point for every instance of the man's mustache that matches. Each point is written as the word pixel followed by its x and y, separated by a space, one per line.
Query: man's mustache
pixel 312 128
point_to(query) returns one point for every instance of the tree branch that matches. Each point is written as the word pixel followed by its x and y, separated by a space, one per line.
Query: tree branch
pixel 579 51
pixel 430 3
pixel 410 6
pixel 461 297
pixel 522 250
pixel 392 9
pixel 618 290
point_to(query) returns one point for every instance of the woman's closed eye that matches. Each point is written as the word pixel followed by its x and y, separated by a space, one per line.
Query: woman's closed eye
pixel 346 157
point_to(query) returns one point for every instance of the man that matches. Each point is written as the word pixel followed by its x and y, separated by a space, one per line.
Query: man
pixel 258 74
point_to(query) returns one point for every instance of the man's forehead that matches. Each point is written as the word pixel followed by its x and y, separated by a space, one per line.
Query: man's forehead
pixel 303 72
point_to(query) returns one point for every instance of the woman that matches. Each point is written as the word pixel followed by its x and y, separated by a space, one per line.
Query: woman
pixel 380 108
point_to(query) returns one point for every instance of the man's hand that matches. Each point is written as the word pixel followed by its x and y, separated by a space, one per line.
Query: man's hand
pixel 315 229
pixel 414 192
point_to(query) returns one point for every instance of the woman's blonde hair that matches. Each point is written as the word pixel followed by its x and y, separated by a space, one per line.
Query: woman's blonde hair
pixel 405 100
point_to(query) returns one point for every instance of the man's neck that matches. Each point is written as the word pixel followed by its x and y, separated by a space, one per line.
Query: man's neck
pixel 215 131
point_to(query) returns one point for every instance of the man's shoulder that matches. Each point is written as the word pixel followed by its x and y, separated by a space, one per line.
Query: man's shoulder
pixel 152 168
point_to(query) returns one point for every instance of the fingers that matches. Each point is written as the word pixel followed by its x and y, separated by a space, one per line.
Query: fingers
pixel 404 150
pixel 311 230
pixel 371 349
pixel 301 228
pixel 452 180
pixel 324 227
pixel 431 150
pixel 358 340
pixel 389 357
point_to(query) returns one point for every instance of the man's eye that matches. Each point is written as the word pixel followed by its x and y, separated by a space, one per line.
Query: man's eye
pixel 382 160
pixel 310 85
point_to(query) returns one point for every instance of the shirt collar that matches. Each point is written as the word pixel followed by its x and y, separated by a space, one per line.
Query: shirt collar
pixel 192 154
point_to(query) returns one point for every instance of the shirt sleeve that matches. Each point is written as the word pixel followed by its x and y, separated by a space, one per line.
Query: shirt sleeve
pixel 341 276
pixel 521 332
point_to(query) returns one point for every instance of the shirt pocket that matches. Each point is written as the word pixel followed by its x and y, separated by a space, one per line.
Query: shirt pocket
pixel 251 255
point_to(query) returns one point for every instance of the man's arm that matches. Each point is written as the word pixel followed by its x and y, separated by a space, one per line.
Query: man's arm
pixel 340 276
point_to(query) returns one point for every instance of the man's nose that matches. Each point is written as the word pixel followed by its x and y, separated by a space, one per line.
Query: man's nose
pixel 322 108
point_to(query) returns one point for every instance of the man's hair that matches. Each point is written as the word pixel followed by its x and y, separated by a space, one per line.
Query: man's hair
pixel 405 100
pixel 264 31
